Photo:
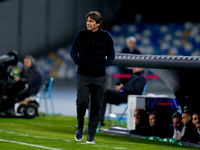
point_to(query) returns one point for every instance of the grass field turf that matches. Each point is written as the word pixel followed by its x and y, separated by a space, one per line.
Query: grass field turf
pixel 57 133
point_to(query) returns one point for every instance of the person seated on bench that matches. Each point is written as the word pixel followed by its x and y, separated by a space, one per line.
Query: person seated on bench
pixel 135 85
pixel 159 126
pixel 142 126
pixel 191 133
pixel 34 76
pixel 178 125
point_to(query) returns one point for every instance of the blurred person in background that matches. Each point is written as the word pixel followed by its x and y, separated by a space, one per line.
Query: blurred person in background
pixel 141 122
pixel 196 122
pixel 135 85
pixel 159 128
pixel 178 126
pixel 92 51
pixel 191 133
pixel 34 77
pixel 129 49
pixel 16 84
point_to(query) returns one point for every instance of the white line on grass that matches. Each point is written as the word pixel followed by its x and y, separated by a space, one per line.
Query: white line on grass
pixel 63 140
pixel 38 137
pixel 22 143
pixel 68 140
pixel 103 146
pixel 11 132
pixel 24 134
pixel 110 147
pixel 118 147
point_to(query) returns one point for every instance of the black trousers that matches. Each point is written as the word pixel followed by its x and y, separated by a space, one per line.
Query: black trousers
pixel 90 91
pixel 112 97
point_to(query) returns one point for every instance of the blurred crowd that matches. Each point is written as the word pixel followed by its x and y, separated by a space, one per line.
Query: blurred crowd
pixel 151 38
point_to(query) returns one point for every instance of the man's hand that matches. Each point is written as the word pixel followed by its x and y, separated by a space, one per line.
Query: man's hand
pixel 179 138
pixel 16 79
pixel 118 87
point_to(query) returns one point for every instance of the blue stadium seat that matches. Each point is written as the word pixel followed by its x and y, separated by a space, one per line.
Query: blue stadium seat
pixel 46 94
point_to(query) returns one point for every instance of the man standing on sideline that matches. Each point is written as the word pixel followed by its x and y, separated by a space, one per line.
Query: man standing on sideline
pixel 93 52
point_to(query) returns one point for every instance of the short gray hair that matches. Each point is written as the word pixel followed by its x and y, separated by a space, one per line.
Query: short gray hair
pixel 130 38
pixel 31 59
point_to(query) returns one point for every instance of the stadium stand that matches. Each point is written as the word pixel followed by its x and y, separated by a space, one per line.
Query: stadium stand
pixel 169 38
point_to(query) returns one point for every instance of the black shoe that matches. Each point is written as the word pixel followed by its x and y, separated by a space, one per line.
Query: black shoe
pixel 90 139
pixel 79 134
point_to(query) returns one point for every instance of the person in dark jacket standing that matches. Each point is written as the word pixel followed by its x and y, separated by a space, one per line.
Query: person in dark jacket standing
pixel 93 52
pixel 34 77
pixel 129 49
pixel 135 85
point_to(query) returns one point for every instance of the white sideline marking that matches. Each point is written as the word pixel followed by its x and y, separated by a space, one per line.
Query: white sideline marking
pixel 38 137
pixel 118 147
pixel 11 132
pixel 24 134
pixel 29 144
pixel 52 139
pixel 68 140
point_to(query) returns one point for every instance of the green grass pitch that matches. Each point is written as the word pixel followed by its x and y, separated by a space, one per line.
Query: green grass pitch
pixel 57 133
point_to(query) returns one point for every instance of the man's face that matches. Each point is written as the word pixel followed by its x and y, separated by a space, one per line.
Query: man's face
pixel 92 25
pixel 131 44
pixel 152 120
pixel 177 123
pixel 137 117
pixel 27 62
pixel 196 120
pixel 135 69
pixel 185 118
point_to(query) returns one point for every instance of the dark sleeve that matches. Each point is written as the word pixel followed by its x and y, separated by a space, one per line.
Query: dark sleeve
pixel 125 50
pixel 191 134
pixel 135 85
pixel 110 51
pixel 23 76
pixel 75 49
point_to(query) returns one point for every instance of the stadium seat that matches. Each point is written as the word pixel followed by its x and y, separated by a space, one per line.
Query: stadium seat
pixel 46 94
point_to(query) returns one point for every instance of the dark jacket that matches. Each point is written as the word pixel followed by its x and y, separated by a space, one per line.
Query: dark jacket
pixel 128 51
pixel 142 129
pixel 135 84
pixel 162 130
pixel 124 70
pixel 92 52
pixel 191 133
pixel 34 80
